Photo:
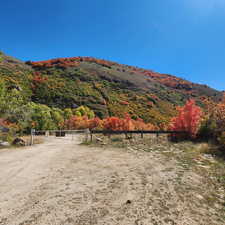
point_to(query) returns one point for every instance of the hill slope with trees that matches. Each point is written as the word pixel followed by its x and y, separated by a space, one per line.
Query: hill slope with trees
pixel 107 88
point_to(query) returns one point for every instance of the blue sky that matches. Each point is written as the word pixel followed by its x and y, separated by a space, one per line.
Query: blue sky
pixel 180 37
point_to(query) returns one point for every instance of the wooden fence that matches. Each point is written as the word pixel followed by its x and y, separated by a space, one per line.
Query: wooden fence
pixel 141 132
pixel 87 132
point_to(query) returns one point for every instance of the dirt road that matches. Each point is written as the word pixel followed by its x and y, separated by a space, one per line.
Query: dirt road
pixel 61 182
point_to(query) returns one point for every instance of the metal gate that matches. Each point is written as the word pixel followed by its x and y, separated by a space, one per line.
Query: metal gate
pixel 69 134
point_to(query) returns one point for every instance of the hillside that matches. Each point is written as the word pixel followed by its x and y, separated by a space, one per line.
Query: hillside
pixel 16 74
pixel 106 87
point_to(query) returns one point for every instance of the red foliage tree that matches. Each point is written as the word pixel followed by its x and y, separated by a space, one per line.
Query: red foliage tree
pixel 139 124
pixel 113 123
pixel 127 123
pixel 77 122
pixel 94 123
pixel 188 119
pixel 109 123
pixel 117 124
pixel 82 122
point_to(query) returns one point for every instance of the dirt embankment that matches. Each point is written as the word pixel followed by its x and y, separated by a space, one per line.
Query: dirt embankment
pixel 61 182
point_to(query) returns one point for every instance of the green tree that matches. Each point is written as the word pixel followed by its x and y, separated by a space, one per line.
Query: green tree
pixel 84 111
pixel 41 117
pixel 13 106
pixel 57 116
pixel 68 113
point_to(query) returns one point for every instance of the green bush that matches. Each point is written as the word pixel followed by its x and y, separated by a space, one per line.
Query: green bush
pixel 207 129
pixel 221 140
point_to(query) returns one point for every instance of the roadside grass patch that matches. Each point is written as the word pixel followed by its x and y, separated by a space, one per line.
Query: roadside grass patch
pixel 87 143
pixel 117 139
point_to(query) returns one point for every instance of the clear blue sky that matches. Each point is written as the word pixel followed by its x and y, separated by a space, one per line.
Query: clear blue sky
pixel 181 37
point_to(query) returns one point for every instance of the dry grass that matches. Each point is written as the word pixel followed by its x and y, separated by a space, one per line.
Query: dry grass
pixel 145 182
pixel 204 159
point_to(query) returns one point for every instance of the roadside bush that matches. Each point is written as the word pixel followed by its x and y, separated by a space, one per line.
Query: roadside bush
pixel 221 140
pixel 188 120
pixel 215 114
pixel 207 129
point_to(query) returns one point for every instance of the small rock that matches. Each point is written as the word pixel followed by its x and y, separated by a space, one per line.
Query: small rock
pixel 19 142
pixel 99 140
pixel 128 201
pixel 200 197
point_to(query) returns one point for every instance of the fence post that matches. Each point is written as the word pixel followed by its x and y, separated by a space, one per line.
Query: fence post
pixel 157 137
pixel 126 135
pixel 87 132
pixel 91 136
pixel 32 132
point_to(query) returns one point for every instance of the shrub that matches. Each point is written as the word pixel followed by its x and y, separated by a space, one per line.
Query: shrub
pixel 215 115
pixel 207 129
pixel 188 120
pixel 221 140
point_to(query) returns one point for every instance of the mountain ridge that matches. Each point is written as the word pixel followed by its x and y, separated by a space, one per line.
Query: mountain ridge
pixel 69 61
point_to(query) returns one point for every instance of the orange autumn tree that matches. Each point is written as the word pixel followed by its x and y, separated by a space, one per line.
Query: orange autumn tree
pixel 82 122
pixel 139 124
pixel 110 123
pixel 113 123
pixel 188 120
pixel 126 124
pixel 94 123
pixel 118 124
pixel 77 122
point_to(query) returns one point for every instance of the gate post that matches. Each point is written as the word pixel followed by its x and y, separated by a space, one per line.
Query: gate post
pixel 32 133
pixel 87 132
pixel 47 133
pixel 91 136
pixel 157 138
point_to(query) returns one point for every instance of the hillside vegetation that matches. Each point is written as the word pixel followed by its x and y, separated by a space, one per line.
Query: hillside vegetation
pixel 108 88
pixel 111 89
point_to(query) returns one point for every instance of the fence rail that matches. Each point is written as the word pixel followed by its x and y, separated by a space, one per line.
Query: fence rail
pixel 77 131
pixel 130 132
pixel 136 132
